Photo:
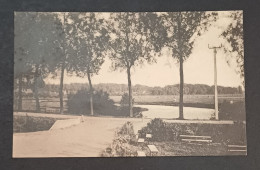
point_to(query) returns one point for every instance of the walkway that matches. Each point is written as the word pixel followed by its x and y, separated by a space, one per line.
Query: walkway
pixel 87 139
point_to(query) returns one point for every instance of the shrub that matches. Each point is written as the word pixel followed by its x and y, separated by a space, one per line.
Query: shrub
pixel 79 103
pixel 221 133
pixel 124 102
pixel 232 110
pixel 124 106
pixel 157 127
pixel 127 129
pixel 121 144
pixel 31 124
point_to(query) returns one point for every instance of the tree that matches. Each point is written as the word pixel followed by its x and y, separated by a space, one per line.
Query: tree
pixel 65 35
pixel 35 49
pixel 182 28
pixel 234 36
pixel 131 43
pixel 20 65
pixel 90 45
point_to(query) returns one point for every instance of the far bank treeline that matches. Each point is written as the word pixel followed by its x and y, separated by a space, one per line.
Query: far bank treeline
pixel 77 43
pixel 51 90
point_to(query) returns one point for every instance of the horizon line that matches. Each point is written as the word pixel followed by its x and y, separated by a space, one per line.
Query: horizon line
pixel 144 85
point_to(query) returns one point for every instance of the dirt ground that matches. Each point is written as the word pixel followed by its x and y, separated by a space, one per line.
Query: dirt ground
pixel 87 139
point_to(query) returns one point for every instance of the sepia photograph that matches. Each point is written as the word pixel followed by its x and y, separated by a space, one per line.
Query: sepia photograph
pixel 128 84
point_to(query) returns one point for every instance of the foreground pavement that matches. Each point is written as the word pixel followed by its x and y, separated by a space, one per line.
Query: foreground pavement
pixel 87 139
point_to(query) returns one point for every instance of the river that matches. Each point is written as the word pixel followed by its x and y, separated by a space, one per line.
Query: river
pixel 169 112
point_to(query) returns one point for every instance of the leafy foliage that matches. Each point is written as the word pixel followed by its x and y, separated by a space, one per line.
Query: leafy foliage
pixel 89 42
pixel 157 127
pixel 226 134
pixel 23 124
pixel 127 129
pixel 121 89
pixel 35 35
pixel 234 36
pixel 79 103
pixel 121 144
pixel 35 50
pixel 182 29
pixel 124 102
pixel 132 43
pixel 232 110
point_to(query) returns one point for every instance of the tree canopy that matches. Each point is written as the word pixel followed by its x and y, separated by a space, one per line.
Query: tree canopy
pixel 234 36
pixel 90 43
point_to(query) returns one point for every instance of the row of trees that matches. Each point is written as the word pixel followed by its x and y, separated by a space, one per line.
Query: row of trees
pixel 46 43
pixel 120 89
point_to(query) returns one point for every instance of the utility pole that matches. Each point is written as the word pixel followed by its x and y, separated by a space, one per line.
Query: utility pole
pixel 215 79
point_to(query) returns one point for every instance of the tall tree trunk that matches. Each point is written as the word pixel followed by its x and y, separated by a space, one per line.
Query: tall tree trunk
pixel 20 93
pixel 181 67
pixel 36 95
pixel 129 71
pixel 61 87
pixel 181 89
pixel 130 92
pixel 91 94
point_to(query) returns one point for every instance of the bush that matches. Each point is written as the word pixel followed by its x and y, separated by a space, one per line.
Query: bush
pixel 161 131
pixel 157 127
pixel 121 144
pixel 127 129
pixel 31 124
pixel 124 102
pixel 79 103
pixel 124 106
pixel 232 110
pixel 136 110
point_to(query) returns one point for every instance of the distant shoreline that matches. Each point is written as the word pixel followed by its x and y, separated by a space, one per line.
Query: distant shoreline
pixel 196 105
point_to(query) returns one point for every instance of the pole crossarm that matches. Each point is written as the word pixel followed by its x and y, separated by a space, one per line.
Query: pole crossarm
pixel 215 47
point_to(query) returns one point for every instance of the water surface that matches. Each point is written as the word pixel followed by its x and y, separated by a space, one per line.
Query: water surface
pixel 169 112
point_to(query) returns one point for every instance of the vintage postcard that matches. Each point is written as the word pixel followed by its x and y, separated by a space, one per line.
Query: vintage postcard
pixel 129 84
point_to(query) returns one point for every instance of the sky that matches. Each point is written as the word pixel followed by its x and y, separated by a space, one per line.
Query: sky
pixel 198 68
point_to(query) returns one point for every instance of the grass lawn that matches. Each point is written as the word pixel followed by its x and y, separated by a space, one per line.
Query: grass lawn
pixel 23 124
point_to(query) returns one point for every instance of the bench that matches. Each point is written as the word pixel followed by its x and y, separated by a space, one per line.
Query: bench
pixel 148 136
pixel 153 150
pixel 196 139
pixel 140 154
pixel 140 140
pixel 237 149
